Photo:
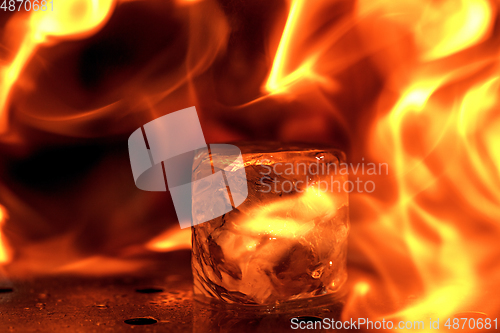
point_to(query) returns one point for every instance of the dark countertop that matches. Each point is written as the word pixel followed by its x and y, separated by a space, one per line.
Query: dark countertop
pixel 159 299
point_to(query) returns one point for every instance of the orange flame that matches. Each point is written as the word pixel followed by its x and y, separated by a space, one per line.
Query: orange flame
pixel 286 71
pixel 72 19
pixel 5 256
pixel 277 80
pixel 439 28
pixel 171 240
pixel 424 231
pixel 440 135
pixel 434 163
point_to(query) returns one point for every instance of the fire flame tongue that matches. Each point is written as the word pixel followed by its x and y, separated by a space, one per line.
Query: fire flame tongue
pixel 312 67
pixel 429 227
pixel 69 19
pixel 439 28
pixel 4 251
pixel 445 165
pixel 440 135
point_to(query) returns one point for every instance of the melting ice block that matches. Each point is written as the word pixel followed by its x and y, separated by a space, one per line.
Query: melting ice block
pixel 287 240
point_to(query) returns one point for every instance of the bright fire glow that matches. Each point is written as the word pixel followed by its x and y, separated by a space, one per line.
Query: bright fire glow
pixel 292 217
pixel 171 240
pixel 4 250
pixel 286 73
pixel 440 137
pixel 467 23
pixel 439 28
pixel 71 19
pixel 277 78
pixel 427 75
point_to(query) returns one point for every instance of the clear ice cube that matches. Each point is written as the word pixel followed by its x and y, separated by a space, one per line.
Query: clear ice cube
pixel 286 241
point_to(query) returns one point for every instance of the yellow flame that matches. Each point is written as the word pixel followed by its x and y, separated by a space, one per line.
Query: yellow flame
pixel 455 278
pixel 171 240
pixel 70 18
pixel 467 136
pixel 462 137
pixel 361 288
pixel 478 126
pixel 277 80
pixel 281 77
pixel 8 76
pixel 439 28
pixel 4 250
pixel 451 26
pixel 413 99
pixel 187 2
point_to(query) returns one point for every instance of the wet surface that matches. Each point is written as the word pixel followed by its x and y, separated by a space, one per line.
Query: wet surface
pixel 158 301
